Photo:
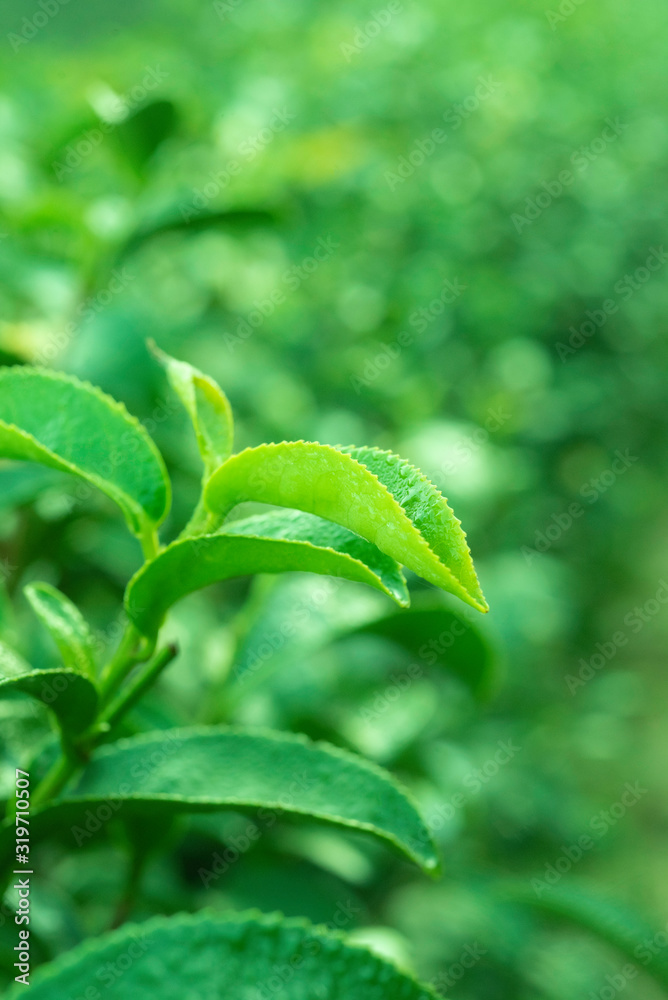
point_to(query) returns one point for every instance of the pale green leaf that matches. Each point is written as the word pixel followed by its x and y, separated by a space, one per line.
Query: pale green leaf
pixel 207 406
pixel 66 624
pixel 271 543
pixel 70 696
pixel 373 493
pixel 210 768
pixel 246 956
pixel 58 421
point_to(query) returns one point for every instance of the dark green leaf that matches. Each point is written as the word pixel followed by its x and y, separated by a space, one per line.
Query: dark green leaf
pixel 205 769
pixel 204 956
pixel 70 696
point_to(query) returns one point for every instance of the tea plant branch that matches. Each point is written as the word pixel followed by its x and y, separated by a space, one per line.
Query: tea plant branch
pixel 128 698
pixel 112 711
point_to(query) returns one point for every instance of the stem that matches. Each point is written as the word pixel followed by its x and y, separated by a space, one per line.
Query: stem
pixel 55 780
pixel 150 543
pixel 132 650
pixel 128 655
pixel 129 698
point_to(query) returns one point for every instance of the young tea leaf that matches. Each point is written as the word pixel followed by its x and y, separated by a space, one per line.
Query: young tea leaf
pixel 223 957
pixel 58 421
pixel 207 769
pixel 207 405
pixel 268 543
pixel 71 697
pixel 67 626
pixel 377 495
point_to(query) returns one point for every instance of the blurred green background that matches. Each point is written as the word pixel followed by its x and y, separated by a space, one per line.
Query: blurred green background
pixel 433 229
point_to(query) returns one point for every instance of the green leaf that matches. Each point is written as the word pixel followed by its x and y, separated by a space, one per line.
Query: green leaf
pixel 139 135
pixel 211 768
pixel 439 637
pixel 247 956
pixel 66 424
pixel 613 923
pixel 67 626
pixel 269 543
pixel 70 696
pixel 196 221
pixel 374 493
pixel 208 408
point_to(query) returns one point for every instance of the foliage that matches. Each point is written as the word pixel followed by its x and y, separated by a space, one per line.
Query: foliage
pixel 428 324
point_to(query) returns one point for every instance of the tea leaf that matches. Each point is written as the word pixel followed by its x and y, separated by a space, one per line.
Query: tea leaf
pixel 211 768
pixel 70 696
pixel 270 543
pixel 58 421
pixel 67 626
pixel 224 957
pixel 373 493
pixel 207 405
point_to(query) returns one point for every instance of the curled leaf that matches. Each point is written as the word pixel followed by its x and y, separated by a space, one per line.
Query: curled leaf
pixel 373 493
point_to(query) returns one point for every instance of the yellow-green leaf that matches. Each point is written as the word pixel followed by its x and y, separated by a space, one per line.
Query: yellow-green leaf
pixel 207 405
pixel 374 493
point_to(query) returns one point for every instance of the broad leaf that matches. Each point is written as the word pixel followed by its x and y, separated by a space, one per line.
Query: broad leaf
pixel 374 493
pixel 610 921
pixel 58 421
pixel 245 956
pixel 70 696
pixel 67 626
pixel 268 543
pixel 212 768
pixel 207 406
